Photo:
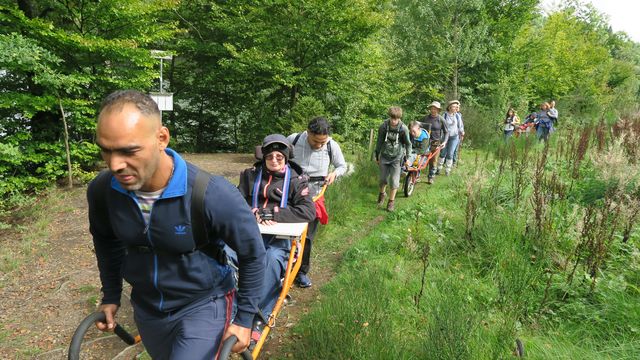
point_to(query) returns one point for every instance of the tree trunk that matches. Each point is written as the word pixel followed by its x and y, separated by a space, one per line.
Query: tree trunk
pixel 66 145
pixel 455 79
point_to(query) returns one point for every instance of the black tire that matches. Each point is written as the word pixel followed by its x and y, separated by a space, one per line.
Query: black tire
pixel 225 352
pixel 409 184
pixel 78 335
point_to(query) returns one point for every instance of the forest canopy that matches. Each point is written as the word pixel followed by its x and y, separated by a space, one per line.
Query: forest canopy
pixel 239 70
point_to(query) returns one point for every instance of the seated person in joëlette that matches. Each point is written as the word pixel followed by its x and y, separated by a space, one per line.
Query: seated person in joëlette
pixel 277 192
pixel 419 142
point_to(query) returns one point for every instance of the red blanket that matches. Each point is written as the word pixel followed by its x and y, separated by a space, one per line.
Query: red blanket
pixel 321 211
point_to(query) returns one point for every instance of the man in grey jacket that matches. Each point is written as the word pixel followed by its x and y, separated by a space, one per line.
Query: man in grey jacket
pixel 316 152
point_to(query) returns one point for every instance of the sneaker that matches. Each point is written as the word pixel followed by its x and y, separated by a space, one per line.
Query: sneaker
pixel 447 172
pixel 430 180
pixel 303 281
pixel 391 205
pixel 381 197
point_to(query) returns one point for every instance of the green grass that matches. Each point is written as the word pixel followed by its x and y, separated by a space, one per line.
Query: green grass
pixel 481 292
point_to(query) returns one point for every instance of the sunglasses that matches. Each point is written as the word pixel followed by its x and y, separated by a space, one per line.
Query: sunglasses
pixel 278 157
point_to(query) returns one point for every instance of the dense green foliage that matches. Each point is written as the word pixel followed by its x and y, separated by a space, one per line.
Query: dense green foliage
pixel 527 242
pixel 243 69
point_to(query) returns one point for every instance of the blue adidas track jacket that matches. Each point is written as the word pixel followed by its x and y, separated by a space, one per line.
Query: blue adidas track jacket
pixel 165 280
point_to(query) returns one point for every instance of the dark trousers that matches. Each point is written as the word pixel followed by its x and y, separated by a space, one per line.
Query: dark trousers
pixel 306 255
pixel 193 332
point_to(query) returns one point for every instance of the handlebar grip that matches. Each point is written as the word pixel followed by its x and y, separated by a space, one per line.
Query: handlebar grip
pixel 81 330
pixel 225 352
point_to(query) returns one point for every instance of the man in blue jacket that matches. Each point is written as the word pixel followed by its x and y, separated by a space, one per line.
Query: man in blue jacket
pixel 142 231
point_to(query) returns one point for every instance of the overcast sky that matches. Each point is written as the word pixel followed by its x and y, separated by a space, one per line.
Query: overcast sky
pixel 623 14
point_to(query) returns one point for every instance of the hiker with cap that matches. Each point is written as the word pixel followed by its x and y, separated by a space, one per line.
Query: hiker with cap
pixel 393 147
pixel 317 153
pixel 435 123
pixel 455 130
pixel 147 216
pixel 277 192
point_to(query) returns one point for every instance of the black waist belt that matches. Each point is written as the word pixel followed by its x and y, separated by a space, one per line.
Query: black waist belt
pixel 212 251
pixel 316 178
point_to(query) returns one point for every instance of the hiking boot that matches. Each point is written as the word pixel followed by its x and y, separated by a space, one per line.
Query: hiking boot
pixel 430 180
pixel 303 281
pixel 391 205
pixel 381 197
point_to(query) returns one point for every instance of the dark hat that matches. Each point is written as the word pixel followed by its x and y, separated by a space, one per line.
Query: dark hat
pixel 277 142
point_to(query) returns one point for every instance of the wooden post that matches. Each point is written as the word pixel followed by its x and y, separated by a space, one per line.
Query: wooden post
pixel 66 145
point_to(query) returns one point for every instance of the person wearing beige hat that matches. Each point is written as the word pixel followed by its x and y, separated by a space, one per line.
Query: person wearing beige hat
pixel 434 122
pixel 455 129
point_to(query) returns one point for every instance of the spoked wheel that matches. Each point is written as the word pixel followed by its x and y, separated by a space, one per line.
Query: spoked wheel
pixel 409 183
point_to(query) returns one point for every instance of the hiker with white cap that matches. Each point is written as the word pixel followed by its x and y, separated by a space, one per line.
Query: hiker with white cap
pixel 455 129
pixel 434 122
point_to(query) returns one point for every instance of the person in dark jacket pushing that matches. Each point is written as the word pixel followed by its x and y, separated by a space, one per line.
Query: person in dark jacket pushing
pixel 277 192
pixel 142 230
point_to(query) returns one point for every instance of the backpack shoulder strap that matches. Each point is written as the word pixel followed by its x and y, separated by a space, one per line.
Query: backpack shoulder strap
pixel 329 150
pixel 198 223
pixel 295 140
pixel 102 183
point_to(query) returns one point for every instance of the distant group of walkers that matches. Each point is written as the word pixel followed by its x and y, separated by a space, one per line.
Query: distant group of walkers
pixel 175 233
pixel 543 121
pixel 398 145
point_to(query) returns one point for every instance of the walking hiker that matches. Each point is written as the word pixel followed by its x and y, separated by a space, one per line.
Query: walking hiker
pixel 392 148
pixel 544 123
pixel 456 105
pixel 143 231
pixel 455 130
pixel 439 135
pixel 511 121
pixel 316 152
pixel 553 112
pixel 277 192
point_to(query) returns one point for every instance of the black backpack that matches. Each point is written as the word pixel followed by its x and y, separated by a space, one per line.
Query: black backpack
pixel 295 141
